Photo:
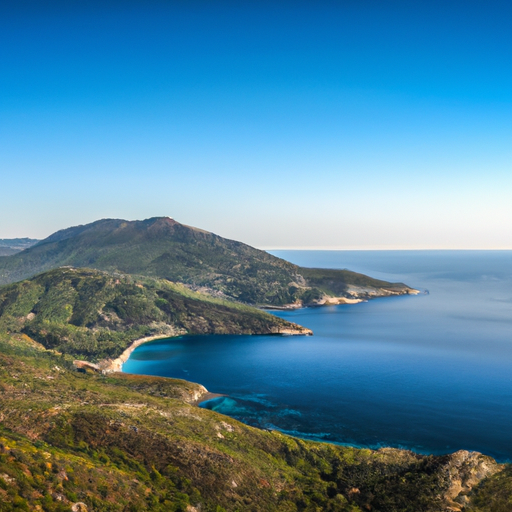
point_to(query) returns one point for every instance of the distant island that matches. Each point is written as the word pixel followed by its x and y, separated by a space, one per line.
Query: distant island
pixel 9 246
pixel 96 440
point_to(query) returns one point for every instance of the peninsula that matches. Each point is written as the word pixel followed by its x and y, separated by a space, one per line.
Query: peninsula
pixel 165 249
pixel 94 315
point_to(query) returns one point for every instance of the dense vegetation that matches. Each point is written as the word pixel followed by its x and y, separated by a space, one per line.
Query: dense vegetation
pixel 92 314
pixel 164 248
pixel 494 494
pixel 133 443
pixel 343 282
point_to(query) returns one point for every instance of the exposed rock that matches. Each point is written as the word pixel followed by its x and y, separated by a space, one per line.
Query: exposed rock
pixel 85 365
pixel 7 479
pixel 79 507
pixel 295 332
pixel 370 292
pixel 334 301
pixel 464 470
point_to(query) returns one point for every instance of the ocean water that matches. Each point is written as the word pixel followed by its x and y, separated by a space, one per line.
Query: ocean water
pixel 431 373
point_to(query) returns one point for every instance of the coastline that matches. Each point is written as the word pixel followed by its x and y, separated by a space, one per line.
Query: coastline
pixel 207 396
pixel 116 365
pixel 326 300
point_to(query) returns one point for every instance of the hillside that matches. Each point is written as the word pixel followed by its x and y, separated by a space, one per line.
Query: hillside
pixel 96 315
pixel 134 443
pixel 163 248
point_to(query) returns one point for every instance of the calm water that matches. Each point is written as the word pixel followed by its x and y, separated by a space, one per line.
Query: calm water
pixel 431 372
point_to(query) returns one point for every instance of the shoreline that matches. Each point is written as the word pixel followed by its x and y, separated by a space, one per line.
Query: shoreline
pixel 107 366
pixel 116 365
pixel 336 301
pixel 207 396
pixel 328 301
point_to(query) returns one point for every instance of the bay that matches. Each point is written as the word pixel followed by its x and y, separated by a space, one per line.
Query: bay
pixel 431 372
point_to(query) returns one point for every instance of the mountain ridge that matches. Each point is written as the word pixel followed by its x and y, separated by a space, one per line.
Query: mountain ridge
pixel 161 247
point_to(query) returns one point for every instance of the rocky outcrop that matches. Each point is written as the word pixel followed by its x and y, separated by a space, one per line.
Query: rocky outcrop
pixel 463 471
pixel 354 295
pixel 299 331
pixel 370 292
pixel 79 507
pixel 85 365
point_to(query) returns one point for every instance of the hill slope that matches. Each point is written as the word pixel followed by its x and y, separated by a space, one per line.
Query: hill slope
pixel 92 314
pixel 133 443
pixel 163 248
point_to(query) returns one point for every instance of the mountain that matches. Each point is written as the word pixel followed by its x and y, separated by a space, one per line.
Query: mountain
pixel 93 314
pixel 74 441
pixel 10 246
pixel 163 248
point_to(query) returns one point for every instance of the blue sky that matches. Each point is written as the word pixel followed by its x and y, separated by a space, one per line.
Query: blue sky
pixel 356 124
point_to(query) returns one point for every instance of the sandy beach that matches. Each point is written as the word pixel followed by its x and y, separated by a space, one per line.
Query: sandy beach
pixel 116 365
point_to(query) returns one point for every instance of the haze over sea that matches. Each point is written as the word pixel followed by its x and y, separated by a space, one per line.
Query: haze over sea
pixel 431 372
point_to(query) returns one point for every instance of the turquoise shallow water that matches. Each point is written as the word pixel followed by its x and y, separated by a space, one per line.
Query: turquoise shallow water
pixel 431 372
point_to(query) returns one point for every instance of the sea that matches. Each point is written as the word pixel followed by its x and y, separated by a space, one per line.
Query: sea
pixel 430 372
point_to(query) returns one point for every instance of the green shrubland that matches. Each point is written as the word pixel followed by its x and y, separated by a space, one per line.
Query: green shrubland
pixel 125 442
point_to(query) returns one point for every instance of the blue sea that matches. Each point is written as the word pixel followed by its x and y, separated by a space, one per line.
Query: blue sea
pixel 431 373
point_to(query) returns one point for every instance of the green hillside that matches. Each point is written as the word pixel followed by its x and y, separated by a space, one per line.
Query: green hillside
pixel 96 315
pixel 134 443
pixel 163 248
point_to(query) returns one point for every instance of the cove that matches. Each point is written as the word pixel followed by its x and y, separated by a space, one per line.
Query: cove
pixel 429 372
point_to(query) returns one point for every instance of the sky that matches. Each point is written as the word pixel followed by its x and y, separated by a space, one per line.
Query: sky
pixel 305 124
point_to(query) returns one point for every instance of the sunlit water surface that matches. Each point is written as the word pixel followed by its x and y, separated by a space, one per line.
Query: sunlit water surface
pixel 432 372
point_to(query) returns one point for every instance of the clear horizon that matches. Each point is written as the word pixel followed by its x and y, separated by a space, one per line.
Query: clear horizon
pixel 325 125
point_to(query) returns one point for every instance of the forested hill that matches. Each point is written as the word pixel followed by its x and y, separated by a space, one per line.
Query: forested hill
pixel 161 247
pixel 92 314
